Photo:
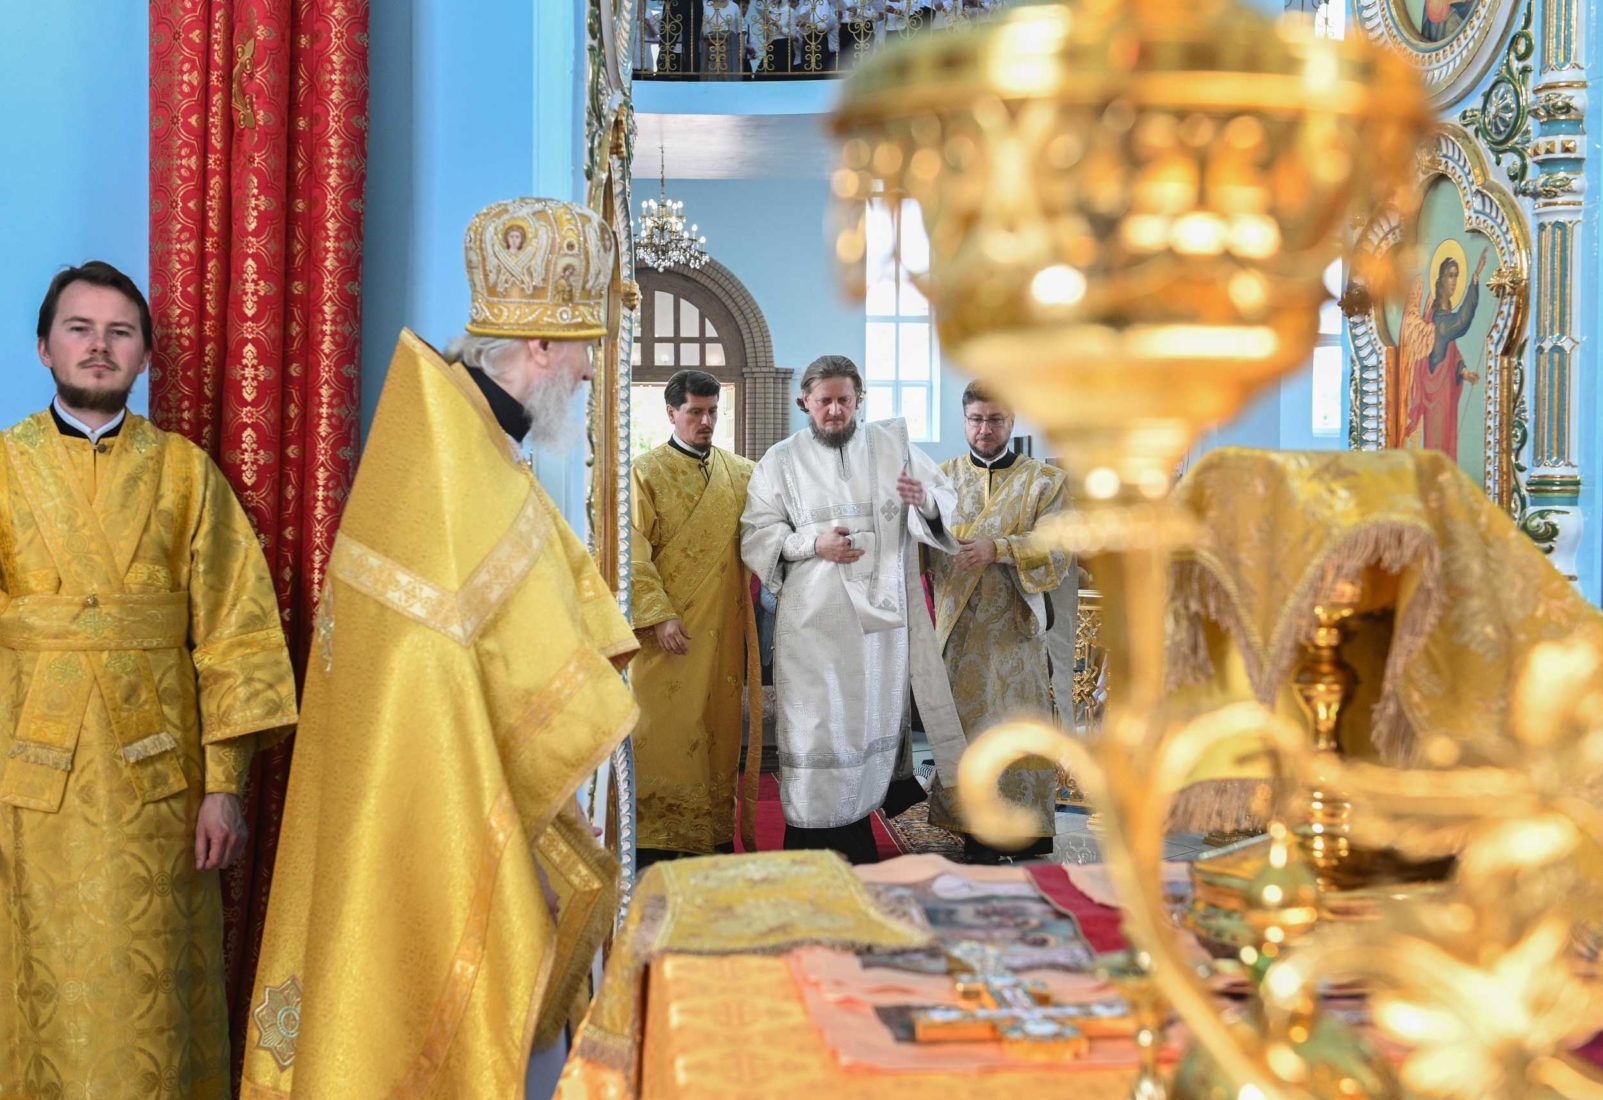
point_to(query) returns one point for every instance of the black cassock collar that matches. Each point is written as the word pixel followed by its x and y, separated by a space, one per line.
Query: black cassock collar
pixel 508 410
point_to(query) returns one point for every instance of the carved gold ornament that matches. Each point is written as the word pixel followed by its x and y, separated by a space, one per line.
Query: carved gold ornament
pixel 278 1021
pixel 1130 206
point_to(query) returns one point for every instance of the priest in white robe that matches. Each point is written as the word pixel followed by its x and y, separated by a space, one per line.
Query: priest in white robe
pixel 833 515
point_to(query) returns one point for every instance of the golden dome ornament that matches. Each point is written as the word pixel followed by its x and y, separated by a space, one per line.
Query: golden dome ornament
pixel 1130 204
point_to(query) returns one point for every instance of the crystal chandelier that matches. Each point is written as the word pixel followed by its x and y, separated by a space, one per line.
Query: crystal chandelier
pixel 661 240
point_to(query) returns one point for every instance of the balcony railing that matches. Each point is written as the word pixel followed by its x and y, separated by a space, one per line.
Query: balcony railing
pixel 781 39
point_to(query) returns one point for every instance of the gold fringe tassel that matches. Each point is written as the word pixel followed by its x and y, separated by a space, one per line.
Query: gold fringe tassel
pixel 46 756
pixel 147 747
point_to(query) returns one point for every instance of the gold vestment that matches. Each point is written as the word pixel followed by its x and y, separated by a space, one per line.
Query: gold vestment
pixel 686 551
pixel 992 634
pixel 141 658
pixel 463 684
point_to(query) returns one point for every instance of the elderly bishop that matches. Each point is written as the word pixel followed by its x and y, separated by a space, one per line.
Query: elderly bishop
pixel 438 895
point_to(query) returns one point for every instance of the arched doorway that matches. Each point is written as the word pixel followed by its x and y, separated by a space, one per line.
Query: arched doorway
pixel 707 320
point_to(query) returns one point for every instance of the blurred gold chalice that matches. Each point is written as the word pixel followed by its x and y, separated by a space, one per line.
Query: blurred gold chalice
pixel 1131 206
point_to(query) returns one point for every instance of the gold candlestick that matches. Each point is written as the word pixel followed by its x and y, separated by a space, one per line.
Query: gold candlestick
pixel 1324 683
pixel 1131 972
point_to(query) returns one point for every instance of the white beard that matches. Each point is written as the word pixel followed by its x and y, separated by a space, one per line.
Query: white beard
pixel 556 408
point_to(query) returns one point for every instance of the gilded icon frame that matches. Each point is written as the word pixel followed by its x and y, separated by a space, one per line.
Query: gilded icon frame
pixel 1490 211
pixel 1453 66
pixel 609 139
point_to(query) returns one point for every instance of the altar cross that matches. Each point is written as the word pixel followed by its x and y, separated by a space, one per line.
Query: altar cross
pixel 1000 1006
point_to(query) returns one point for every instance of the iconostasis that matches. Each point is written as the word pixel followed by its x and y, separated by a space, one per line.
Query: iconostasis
pixel 1482 355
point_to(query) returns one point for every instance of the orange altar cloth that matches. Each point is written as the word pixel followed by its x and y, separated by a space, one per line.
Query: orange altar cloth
pixel 741 977
pixel 736 1026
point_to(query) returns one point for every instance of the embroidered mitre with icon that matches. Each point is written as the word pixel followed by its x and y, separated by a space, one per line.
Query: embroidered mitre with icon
pixel 538 269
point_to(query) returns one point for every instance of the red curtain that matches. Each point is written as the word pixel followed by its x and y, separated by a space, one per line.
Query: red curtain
pixel 258 146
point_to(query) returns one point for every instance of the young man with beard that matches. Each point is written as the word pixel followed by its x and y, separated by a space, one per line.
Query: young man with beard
pixel 438 895
pixel 693 614
pixel 993 606
pixel 833 516
pixel 141 662
pixel 691 608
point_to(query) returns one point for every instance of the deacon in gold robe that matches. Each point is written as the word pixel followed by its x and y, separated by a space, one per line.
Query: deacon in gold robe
pixel 691 608
pixel 438 896
pixel 993 605
pixel 141 661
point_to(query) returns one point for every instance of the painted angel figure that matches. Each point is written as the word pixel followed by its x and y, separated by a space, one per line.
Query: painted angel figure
pixel 1436 388
pixel 516 259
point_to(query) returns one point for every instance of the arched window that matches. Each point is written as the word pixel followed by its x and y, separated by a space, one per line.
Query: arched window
pixel 683 325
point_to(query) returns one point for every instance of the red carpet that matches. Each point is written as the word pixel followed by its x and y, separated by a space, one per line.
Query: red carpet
pixel 771 823
pixel 1100 923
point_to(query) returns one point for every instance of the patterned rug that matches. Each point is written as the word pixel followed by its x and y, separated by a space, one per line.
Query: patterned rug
pixel 913 834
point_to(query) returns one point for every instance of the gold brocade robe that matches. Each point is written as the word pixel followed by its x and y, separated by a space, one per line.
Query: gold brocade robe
pixel 462 686
pixel 991 624
pixel 686 551
pixel 141 657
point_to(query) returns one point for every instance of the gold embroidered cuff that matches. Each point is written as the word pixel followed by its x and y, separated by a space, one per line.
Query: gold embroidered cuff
pixel 228 766
pixel 247 694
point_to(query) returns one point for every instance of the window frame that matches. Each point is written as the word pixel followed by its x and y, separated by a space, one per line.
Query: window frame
pixel 901 321
pixel 712 312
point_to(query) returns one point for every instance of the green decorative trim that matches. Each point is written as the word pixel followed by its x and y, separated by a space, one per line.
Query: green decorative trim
pixel 1519 435
pixel 1503 120
pixel 1548 187
pixel 596 122
pixel 1355 434
pixel 1541 528
pixel 609 28
pixel 1556 107
pixel 1553 485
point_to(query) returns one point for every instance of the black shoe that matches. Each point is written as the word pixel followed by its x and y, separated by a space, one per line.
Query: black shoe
pixel 978 852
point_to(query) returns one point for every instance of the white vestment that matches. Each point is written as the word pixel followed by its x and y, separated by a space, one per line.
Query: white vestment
pixel 843 655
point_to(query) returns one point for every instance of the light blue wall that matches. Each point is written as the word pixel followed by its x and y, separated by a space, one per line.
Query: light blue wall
pixel 74 81
pixel 780 97
pixel 470 103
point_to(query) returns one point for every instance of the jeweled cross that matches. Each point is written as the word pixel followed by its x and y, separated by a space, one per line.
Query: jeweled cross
pixel 1000 1006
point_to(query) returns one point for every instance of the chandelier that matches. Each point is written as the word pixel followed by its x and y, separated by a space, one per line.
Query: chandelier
pixel 661 240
